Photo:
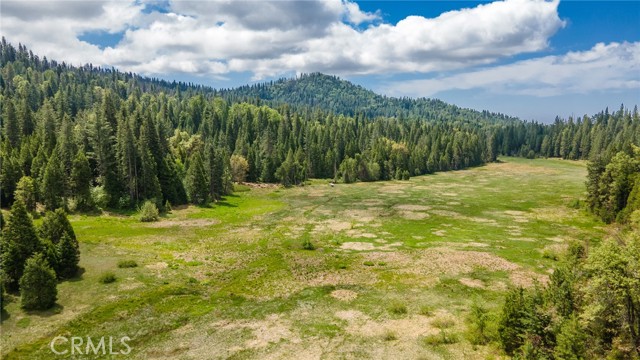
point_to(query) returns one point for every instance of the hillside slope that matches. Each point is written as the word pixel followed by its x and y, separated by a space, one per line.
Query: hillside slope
pixel 333 94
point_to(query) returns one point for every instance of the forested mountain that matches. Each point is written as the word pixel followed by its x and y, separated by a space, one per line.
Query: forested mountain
pixel 333 94
pixel 84 136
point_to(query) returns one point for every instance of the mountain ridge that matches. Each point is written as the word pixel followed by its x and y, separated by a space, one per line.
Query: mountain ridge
pixel 334 94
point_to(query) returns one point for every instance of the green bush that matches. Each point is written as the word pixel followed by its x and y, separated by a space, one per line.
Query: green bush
pixel 389 335
pixel 123 264
pixel 308 245
pixel 443 322
pixel 398 308
pixel 107 277
pixel 478 323
pixel 426 310
pixel 38 285
pixel 149 212
pixel 100 197
pixel 440 339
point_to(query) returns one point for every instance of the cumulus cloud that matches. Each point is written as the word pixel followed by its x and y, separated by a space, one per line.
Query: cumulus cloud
pixel 269 38
pixel 605 67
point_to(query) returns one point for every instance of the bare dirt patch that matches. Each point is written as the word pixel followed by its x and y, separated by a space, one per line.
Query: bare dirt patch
pixel 450 194
pixel 360 215
pixel 439 233
pixel 464 244
pixel 526 278
pixel 344 295
pixel 182 223
pixel 413 215
pixel 518 216
pixel 359 246
pixel 157 266
pixel 474 283
pixel 412 207
pixel 411 327
pixel 332 225
pixel 355 233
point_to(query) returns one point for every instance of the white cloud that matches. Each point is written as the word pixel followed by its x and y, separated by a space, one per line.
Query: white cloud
pixel 605 67
pixel 269 38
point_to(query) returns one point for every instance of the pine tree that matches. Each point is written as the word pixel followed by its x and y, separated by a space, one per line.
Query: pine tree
pixel 50 253
pixel 571 341
pixel 512 324
pixel 197 181
pixel 11 124
pixel 19 242
pixel 149 184
pixel 68 257
pixel 25 114
pixel 80 180
pixel 26 191
pixel 55 226
pixel 128 158
pixel 9 176
pixel 38 285
pixel 102 139
pixel 53 183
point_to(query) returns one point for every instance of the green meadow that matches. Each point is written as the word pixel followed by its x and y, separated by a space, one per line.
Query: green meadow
pixel 365 270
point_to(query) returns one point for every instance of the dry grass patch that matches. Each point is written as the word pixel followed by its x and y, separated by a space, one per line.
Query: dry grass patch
pixel 413 215
pixel 412 207
pixel 158 266
pixel 474 283
pixel 168 223
pixel 344 295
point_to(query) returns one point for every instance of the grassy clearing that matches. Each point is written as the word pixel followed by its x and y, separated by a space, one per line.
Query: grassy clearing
pixel 367 270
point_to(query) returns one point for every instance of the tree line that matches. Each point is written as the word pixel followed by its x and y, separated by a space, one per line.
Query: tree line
pixel 86 137
pixel 83 137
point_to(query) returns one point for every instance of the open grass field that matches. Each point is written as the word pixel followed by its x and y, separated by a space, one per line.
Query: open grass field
pixel 366 270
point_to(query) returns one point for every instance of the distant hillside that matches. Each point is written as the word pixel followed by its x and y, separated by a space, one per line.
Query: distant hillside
pixel 333 94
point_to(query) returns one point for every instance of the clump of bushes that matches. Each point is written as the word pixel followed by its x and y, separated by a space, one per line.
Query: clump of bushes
pixel 107 277
pixel 123 264
pixel 149 212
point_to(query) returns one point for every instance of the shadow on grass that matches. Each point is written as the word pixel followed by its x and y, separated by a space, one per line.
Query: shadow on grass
pixel 225 204
pixel 78 276
pixel 4 315
pixel 55 310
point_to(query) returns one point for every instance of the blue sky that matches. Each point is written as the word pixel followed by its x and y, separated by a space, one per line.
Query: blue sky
pixel 530 58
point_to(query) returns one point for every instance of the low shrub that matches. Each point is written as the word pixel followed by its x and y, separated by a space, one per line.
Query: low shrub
pixel 149 212
pixel 398 308
pixel 442 338
pixel 123 264
pixel 389 335
pixel 107 278
pixel 308 245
